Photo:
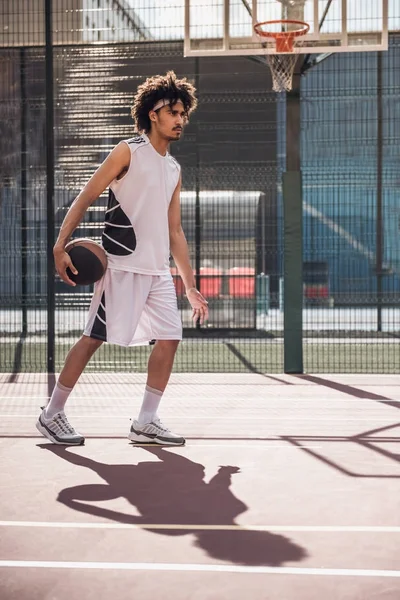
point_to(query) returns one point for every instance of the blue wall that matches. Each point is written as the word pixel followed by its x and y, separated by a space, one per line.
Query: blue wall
pixel 340 174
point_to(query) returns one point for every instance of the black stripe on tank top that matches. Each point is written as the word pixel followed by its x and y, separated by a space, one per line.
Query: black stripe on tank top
pixel 118 237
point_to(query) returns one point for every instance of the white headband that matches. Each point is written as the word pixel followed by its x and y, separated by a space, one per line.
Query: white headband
pixel 164 102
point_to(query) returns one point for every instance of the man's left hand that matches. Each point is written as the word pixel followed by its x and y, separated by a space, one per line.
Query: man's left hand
pixel 199 305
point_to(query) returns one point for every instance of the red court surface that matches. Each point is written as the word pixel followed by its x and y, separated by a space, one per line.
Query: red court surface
pixel 288 488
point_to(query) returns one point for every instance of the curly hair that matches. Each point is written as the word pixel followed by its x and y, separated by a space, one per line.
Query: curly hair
pixel 157 88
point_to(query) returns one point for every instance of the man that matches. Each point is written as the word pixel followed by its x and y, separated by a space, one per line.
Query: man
pixel 135 302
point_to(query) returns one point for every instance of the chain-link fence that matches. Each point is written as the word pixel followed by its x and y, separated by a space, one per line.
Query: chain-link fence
pixel 232 158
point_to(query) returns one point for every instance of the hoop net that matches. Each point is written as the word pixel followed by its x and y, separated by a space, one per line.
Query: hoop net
pixel 287 45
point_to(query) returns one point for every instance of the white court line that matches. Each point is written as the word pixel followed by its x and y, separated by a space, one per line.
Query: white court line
pixel 193 444
pixel 212 417
pixel 196 567
pixel 186 527
pixel 266 444
pixel 329 399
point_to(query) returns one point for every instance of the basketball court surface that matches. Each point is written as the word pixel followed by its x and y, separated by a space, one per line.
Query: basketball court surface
pixel 288 487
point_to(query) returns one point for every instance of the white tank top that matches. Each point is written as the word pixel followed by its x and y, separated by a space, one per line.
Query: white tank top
pixel 136 232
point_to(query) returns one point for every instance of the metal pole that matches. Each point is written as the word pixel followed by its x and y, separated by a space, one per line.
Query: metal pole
pixel 379 189
pixel 24 220
pixel 293 125
pixel 50 188
pixel 197 224
pixel 293 238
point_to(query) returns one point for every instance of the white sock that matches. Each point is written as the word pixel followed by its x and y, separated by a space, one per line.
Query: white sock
pixel 57 401
pixel 151 401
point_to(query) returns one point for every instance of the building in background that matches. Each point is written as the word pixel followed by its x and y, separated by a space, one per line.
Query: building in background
pixel 74 22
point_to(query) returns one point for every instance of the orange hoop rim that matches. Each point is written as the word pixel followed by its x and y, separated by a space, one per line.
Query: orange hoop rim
pixel 284 40
pixel 282 34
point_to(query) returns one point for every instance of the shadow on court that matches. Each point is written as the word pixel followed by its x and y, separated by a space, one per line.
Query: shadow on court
pixel 173 491
pixel 349 389
pixel 370 441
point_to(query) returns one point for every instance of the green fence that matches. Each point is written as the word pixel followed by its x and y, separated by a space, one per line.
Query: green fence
pixel 233 159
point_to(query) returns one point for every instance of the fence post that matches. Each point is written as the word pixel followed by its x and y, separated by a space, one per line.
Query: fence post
pixel 262 294
pixel 293 235
pixel 50 188
pixel 379 194
pixel 24 219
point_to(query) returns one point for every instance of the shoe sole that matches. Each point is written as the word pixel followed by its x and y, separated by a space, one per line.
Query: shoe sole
pixel 44 431
pixel 138 438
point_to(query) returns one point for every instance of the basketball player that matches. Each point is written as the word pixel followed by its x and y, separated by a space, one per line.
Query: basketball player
pixel 135 302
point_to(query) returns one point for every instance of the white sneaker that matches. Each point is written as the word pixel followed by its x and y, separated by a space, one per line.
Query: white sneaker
pixel 58 429
pixel 154 433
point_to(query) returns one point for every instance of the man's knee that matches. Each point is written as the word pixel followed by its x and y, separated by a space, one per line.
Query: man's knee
pixel 169 346
pixel 90 343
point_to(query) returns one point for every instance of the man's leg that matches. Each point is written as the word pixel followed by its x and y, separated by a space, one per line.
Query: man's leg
pixel 52 422
pixel 160 363
pixel 158 372
pixel 147 427
pixel 77 359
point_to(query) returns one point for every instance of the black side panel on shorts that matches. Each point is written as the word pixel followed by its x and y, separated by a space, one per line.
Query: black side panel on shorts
pixel 99 329
pixel 119 236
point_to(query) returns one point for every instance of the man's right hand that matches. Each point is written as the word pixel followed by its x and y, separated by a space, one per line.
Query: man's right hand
pixel 62 261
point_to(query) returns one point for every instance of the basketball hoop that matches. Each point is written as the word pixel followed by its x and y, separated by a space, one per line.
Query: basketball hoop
pixel 287 46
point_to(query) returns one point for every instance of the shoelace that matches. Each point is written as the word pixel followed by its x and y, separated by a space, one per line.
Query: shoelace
pixel 158 423
pixel 62 421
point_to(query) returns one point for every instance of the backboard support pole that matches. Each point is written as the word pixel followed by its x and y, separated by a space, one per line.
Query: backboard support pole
pixel 293 235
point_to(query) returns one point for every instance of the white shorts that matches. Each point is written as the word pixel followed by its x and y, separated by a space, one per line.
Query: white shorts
pixel 130 309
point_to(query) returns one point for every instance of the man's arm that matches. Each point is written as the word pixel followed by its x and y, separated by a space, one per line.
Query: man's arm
pixel 114 164
pixel 180 252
